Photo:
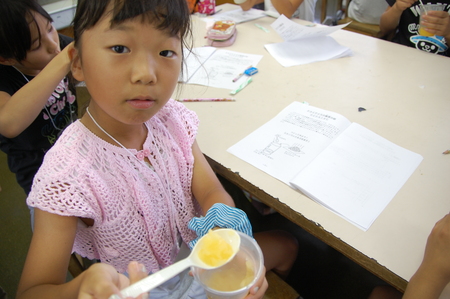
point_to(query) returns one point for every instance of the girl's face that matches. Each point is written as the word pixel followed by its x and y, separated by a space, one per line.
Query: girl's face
pixel 130 69
pixel 43 49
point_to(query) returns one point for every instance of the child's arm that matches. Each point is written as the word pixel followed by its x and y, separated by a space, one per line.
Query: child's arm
pixel 18 111
pixel 208 190
pixel 45 270
pixel 247 5
pixel 391 17
pixel 286 7
pixel 47 261
pixel 206 187
pixel 434 272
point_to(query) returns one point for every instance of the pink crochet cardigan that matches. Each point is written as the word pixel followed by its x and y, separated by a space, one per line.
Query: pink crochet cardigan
pixel 139 211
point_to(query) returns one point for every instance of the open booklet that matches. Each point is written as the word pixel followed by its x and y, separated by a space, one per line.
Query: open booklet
pixel 341 165
pixel 216 67
pixel 304 44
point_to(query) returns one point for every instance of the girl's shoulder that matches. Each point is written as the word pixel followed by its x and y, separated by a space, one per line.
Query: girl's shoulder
pixel 177 112
pixel 72 147
pixel 176 120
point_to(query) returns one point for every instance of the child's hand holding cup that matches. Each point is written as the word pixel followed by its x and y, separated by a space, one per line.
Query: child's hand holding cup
pixel 424 10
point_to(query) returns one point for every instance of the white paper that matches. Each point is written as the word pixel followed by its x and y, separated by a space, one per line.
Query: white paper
pixel 220 68
pixel 287 143
pixel 306 51
pixel 358 174
pixel 343 166
pixel 290 31
pixel 305 44
pixel 193 60
pixel 239 16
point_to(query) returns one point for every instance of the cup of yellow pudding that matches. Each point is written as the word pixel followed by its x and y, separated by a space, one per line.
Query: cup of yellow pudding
pixel 234 279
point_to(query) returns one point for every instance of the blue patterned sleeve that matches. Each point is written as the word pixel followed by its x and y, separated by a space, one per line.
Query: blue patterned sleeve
pixel 220 215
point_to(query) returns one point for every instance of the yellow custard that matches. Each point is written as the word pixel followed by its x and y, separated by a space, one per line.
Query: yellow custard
pixel 214 250
pixel 233 276
pixel 423 31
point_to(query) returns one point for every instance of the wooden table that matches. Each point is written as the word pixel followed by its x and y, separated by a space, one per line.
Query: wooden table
pixel 404 92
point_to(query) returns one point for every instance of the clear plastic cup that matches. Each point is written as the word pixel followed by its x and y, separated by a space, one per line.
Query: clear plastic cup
pixel 423 11
pixel 234 280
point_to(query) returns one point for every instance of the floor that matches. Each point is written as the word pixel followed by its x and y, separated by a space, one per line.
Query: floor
pixel 15 233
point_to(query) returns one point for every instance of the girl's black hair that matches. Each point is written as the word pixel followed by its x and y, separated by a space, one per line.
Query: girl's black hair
pixel 15 19
pixel 168 15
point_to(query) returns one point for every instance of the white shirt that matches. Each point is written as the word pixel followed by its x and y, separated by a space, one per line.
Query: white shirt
pixel 367 11
pixel 305 11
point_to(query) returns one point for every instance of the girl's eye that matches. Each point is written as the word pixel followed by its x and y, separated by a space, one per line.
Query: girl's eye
pixel 167 53
pixel 49 27
pixel 120 49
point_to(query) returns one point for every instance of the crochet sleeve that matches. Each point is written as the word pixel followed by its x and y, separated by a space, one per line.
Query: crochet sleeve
pixel 60 188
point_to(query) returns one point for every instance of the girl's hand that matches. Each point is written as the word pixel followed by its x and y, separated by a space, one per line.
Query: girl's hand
pixel 404 4
pixel 101 281
pixel 247 5
pixel 64 57
pixel 437 250
pixel 437 22
pixel 258 290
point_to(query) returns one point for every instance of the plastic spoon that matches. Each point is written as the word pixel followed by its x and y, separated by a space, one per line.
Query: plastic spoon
pixel 154 280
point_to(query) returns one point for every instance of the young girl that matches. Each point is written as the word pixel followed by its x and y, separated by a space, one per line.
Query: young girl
pixel 123 183
pixel 35 101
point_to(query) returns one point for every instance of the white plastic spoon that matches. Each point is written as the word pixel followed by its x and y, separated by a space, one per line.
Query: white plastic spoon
pixel 156 279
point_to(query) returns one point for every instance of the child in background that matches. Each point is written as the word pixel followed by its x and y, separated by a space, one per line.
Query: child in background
pixel 367 11
pixel 123 183
pixel 35 101
pixel 401 21
pixel 302 9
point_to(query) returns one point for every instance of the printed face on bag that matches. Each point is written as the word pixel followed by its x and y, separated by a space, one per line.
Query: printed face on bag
pixel 130 68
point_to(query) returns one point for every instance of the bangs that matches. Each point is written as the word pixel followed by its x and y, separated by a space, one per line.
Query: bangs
pixel 171 16
pixel 166 15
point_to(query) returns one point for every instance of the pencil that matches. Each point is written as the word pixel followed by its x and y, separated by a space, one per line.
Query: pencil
pixel 207 100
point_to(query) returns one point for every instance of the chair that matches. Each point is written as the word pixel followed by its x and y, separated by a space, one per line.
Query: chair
pixel 278 288
pixel 324 8
pixel 75 265
pixel 355 26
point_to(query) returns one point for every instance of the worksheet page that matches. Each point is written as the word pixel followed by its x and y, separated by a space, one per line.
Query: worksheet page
pixel 221 68
pixel 283 146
